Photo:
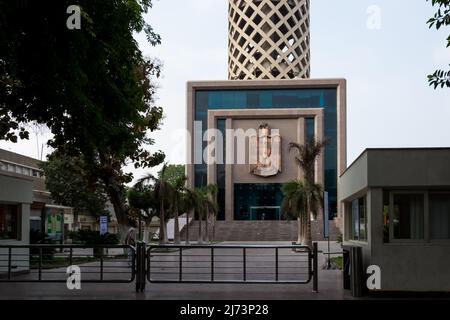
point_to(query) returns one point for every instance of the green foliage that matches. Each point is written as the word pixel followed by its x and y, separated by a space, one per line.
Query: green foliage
pixel 307 155
pixel 338 262
pixel 92 87
pixel 440 78
pixel 302 197
pixel 71 185
pixel 173 173
pixel 294 199
pixel 296 195
pixel 141 198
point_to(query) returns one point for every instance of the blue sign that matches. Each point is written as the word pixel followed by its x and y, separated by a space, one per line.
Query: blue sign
pixel 103 225
pixel 326 216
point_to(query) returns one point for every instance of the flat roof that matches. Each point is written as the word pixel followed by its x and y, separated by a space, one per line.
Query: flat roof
pixel 258 84
pixel 393 149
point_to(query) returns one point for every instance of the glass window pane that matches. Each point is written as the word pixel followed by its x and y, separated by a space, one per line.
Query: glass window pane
pixel 257 201
pixel 440 216
pixel 386 216
pixel 355 219
pixel 408 216
pixel 8 221
pixel 362 219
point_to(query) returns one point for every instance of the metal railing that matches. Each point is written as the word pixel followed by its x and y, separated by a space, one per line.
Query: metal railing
pixel 255 264
pixel 49 263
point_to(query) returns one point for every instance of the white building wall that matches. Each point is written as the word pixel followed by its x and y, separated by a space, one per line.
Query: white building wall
pixel 16 190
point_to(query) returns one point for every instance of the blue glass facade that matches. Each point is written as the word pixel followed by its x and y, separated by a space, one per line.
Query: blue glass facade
pixel 325 98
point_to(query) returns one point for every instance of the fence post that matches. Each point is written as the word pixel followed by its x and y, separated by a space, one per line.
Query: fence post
pixel 316 268
pixel 9 262
pixel 140 266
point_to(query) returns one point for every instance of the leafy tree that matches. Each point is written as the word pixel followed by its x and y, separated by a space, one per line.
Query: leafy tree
pixel 92 87
pixel 441 18
pixel 70 185
pixel 143 204
pixel 173 173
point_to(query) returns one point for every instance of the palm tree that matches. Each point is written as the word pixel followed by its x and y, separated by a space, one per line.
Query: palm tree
pixel 294 205
pixel 163 192
pixel 306 158
pixel 212 207
pixel 177 192
pixel 200 208
pixel 189 199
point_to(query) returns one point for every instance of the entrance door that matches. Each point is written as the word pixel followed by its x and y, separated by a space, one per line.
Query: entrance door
pixel 265 213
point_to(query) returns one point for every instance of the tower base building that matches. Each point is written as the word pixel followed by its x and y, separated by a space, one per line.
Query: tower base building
pixel 239 136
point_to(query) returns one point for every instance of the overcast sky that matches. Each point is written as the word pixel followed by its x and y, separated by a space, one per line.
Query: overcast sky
pixel 382 47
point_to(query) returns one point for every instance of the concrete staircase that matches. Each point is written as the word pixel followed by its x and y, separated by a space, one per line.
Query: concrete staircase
pixel 258 231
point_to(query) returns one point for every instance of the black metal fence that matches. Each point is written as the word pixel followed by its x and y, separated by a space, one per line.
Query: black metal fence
pixel 256 264
pixel 49 263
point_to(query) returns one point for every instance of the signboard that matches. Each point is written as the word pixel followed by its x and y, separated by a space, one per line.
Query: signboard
pixel 326 216
pixel 103 225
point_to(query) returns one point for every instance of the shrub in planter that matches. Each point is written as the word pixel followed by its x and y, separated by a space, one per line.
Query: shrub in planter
pixel 37 237
pixel 93 238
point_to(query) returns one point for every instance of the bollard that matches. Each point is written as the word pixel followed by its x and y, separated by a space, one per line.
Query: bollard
pixel 140 266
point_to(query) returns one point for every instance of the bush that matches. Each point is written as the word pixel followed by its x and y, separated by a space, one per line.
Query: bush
pixel 89 237
pixel 93 238
pixel 37 237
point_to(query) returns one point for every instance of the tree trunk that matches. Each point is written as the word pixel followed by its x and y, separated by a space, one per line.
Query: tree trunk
pixel 187 226
pixel 207 228
pixel 214 229
pixel 147 231
pixel 176 231
pixel 162 229
pixel 304 223
pixel 75 219
pixel 308 225
pixel 200 233
pixel 299 230
pixel 116 196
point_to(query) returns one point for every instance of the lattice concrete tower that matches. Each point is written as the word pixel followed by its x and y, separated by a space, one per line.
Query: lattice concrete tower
pixel 268 39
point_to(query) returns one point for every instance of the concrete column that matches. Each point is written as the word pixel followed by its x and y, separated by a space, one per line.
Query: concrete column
pixel 301 139
pixel 211 167
pixel 319 137
pixel 229 192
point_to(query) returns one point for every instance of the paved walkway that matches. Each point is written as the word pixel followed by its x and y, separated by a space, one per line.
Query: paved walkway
pixel 330 287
